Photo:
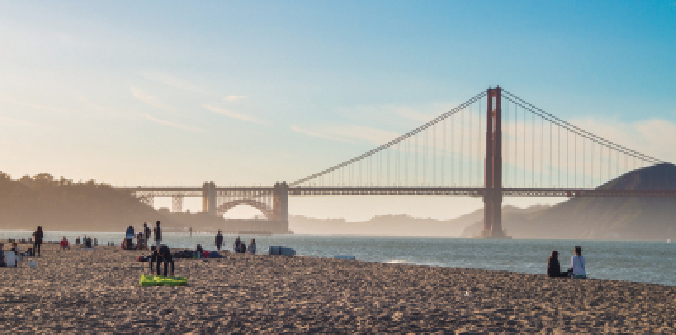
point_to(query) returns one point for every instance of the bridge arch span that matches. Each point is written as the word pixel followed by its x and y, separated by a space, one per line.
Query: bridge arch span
pixel 265 209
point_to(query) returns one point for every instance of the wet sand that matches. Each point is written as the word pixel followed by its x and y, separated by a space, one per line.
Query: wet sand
pixel 98 291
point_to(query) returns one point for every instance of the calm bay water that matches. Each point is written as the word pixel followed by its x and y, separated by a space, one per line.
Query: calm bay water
pixel 650 262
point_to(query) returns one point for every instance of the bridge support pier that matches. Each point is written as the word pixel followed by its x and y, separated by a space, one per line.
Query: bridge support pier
pixel 209 198
pixel 493 167
pixel 280 203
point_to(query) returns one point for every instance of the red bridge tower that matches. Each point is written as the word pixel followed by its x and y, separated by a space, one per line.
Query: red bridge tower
pixel 493 166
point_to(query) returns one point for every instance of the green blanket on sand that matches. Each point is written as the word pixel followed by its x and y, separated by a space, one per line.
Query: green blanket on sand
pixel 151 280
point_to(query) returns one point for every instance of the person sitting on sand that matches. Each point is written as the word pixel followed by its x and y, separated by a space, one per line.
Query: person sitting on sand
pixel 64 244
pixel 242 248
pixel 130 238
pixel 88 243
pixel 15 248
pixel 139 241
pixel 2 256
pixel 578 263
pixel 237 244
pixel 199 250
pixel 252 246
pixel 554 267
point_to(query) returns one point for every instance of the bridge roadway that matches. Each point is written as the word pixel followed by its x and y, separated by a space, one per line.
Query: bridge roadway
pixel 255 191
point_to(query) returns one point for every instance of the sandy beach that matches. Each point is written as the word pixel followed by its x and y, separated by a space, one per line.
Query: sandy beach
pixel 98 291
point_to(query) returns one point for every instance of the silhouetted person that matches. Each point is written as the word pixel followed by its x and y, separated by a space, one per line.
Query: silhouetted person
pixel 77 240
pixel 190 231
pixel 161 254
pixel 38 240
pixel 130 237
pixel 2 256
pixel 554 267
pixel 238 242
pixel 158 233
pixel 219 240
pixel 146 232
pixel 252 246
pixel 242 248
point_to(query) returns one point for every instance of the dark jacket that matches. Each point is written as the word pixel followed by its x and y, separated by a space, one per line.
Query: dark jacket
pixel 38 236
pixel 554 268
pixel 219 239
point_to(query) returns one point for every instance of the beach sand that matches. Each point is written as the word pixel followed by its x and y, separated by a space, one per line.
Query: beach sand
pixel 98 291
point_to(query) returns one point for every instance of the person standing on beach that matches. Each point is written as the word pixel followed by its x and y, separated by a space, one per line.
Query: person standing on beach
pixel 146 232
pixel 38 240
pixel 252 246
pixel 578 263
pixel 77 240
pixel 219 240
pixel 158 233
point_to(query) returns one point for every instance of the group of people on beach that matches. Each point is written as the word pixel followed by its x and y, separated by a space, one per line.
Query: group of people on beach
pixel 142 237
pixel 239 247
pixel 38 236
pixel 577 268
pixel 87 241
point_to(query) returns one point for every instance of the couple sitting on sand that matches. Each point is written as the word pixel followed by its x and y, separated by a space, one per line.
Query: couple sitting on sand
pixel 577 264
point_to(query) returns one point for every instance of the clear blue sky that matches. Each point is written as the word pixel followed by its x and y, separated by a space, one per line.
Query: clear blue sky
pixel 164 92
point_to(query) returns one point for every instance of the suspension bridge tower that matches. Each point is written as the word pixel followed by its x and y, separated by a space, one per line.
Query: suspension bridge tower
pixel 493 166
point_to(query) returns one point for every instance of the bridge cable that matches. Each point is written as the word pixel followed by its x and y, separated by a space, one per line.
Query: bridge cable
pixel 481 145
pixel 578 130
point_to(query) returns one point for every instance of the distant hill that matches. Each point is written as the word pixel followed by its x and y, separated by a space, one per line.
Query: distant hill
pixel 394 225
pixel 61 204
pixel 604 218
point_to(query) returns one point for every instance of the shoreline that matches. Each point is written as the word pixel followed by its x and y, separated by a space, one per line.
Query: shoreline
pixel 98 291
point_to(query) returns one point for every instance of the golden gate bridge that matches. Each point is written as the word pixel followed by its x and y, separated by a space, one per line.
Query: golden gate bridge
pixel 495 144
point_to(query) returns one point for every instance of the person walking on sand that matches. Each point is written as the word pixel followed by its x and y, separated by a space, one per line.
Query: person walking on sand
pixel 38 240
pixel 158 234
pixel 578 263
pixel 218 240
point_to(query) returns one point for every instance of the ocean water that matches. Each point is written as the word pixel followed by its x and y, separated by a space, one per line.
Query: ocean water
pixel 649 262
